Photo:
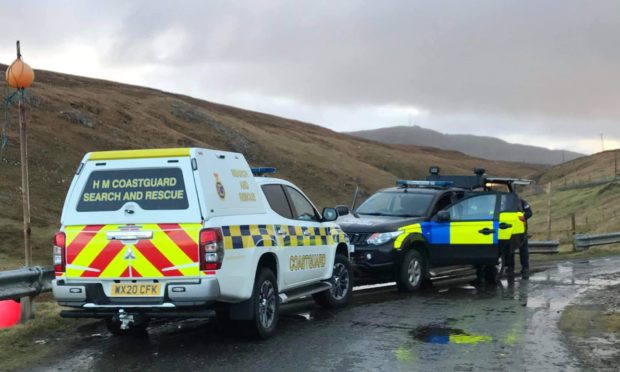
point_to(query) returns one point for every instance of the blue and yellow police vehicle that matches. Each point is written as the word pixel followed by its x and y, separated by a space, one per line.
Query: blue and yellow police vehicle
pixel 401 233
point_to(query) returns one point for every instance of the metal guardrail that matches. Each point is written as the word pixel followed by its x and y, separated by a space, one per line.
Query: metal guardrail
pixel 29 281
pixel 585 241
pixel 543 246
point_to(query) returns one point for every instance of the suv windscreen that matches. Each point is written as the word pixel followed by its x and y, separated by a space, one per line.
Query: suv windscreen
pixel 397 204
pixel 151 189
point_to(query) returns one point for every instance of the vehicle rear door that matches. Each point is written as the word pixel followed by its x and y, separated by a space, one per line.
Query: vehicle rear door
pixel 133 218
pixel 309 261
pixel 300 236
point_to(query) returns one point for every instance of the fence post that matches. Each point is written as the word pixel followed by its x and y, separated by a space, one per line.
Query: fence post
pixel 573 228
pixel 549 212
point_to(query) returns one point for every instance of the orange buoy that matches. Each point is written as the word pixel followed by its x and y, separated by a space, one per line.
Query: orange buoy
pixel 19 75
pixel 9 313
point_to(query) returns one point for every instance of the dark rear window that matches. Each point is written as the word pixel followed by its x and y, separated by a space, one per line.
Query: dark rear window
pixel 510 203
pixel 277 200
pixel 151 189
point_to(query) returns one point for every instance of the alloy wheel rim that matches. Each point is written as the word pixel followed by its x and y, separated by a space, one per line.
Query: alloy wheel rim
pixel 415 271
pixel 266 304
pixel 340 281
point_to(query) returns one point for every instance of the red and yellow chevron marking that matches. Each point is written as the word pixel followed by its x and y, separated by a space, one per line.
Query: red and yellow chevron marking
pixel 172 252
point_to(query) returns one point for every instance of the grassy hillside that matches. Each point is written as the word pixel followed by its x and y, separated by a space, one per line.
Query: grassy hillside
pixel 69 116
pixel 585 187
pixel 586 169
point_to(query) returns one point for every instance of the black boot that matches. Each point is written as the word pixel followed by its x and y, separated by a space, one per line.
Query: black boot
pixel 525 274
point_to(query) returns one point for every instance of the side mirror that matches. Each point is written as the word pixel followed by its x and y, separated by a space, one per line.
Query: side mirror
pixel 330 214
pixel 342 210
pixel 442 216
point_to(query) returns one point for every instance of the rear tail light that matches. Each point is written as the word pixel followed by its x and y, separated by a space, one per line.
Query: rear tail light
pixel 59 252
pixel 211 249
pixel 522 218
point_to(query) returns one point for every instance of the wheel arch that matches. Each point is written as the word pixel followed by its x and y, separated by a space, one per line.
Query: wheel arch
pixel 414 241
pixel 270 261
pixel 343 249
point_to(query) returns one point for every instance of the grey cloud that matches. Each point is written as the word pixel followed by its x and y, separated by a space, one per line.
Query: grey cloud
pixel 541 65
pixel 524 58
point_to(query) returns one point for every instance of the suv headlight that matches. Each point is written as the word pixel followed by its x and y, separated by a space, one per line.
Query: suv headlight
pixel 382 238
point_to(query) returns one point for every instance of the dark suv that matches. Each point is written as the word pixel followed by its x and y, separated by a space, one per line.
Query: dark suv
pixel 400 233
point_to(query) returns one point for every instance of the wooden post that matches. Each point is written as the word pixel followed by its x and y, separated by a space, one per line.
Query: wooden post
pixel 549 212
pixel 26 302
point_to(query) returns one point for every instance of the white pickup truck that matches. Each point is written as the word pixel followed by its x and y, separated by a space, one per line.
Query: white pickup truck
pixel 182 232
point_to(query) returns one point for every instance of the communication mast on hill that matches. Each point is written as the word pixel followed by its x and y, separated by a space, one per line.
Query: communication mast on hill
pixel 602 143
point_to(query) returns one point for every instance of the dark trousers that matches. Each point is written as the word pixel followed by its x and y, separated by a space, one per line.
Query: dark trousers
pixel 524 255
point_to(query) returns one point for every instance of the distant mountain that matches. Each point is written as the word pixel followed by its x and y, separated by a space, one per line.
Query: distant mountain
pixel 479 146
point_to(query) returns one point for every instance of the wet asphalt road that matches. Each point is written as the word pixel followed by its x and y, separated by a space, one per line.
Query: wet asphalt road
pixel 453 326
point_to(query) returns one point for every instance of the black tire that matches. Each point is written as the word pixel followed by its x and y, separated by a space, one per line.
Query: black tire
pixel 342 285
pixel 412 272
pixel 266 304
pixel 137 327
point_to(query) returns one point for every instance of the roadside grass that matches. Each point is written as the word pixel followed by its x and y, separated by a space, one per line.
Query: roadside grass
pixel 592 327
pixel 596 210
pixel 24 343
pixel 12 247
pixel 588 320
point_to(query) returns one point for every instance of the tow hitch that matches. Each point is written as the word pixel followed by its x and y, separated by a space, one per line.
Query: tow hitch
pixel 125 319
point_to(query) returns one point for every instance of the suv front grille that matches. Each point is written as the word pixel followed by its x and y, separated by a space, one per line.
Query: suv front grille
pixel 358 238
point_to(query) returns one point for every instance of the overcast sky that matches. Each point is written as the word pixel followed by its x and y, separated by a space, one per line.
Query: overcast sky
pixel 537 72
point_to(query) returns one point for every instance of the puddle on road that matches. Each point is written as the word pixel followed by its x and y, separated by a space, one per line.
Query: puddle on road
pixel 441 334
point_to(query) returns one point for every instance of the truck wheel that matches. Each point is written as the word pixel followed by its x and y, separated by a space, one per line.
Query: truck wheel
pixel 138 326
pixel 411 272
pixel 342 283
pixel 266 304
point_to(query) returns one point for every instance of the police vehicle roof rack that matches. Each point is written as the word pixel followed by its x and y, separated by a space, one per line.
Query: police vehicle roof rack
pixel 462 182
pixel 423 184
pixel 260 171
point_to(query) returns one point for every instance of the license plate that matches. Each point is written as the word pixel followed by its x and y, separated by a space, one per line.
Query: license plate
pixel 136 290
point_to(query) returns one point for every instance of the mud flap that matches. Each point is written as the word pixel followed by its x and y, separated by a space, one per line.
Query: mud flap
pixel 243 310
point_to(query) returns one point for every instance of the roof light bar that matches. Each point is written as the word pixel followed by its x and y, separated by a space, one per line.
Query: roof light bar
pixel 408 183
pixel 259 171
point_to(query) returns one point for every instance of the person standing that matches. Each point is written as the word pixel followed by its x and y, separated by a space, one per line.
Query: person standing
pixel 524 254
